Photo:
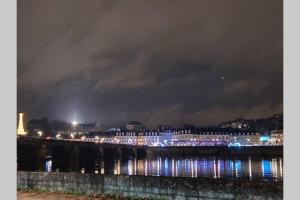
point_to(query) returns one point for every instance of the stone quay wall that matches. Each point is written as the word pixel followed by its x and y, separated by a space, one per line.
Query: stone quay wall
pixel 150 186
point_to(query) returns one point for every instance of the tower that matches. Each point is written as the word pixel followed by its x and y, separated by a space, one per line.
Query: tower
pixel 20 130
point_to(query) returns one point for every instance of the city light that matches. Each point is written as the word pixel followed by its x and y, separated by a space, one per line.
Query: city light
pixel 264 138
pixel 20 130
pixel 74 123
pixel 40 133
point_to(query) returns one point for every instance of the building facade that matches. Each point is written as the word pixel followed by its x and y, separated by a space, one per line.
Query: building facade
pixel 215 136
pixel 184 137
pixel 276 137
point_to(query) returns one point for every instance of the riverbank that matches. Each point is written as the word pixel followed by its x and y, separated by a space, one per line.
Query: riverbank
pixel 151 186
pixel 44 195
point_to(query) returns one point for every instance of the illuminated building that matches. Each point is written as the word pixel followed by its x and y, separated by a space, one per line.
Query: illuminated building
pixel 244 138
pixel 20 130
pixel 127 137
pixel 187 137
pixel 100 137
pixel 166 137
pixel 276 137
pixel 215 136
pixel 183 137
pixel 151 138
pixel 264 139
pixel 140 138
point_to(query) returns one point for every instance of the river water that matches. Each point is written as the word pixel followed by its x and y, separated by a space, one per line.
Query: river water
pixel 214 167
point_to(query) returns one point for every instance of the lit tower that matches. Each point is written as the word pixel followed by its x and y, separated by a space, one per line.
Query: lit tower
pixel 20 130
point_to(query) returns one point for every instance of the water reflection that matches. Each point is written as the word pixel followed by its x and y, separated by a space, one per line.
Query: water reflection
pixel 252 168
pixel 102 167
pixel 117 167
pixel 48 166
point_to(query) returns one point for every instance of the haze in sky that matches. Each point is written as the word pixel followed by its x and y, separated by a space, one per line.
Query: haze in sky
pixel 158 62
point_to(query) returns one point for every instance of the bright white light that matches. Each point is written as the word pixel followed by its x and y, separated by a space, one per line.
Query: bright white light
pixel 74 123
pixel 40 133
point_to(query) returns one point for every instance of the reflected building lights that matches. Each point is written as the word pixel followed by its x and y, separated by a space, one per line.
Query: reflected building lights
pixel 130 166
pixel 146 168
pixel 48 165
pixel 166 166
pixel 186 168
pixel 231 167
pixel 219 168
pixel 237 168
pixel 173 167
pixel 262 168
pixel 117 168
pixel 140 167
pixel 157 167
pixel 215 169
pixel 250 168
pixel 176 168
pixel 266 168
pixel 135 166
pixel 196 168
pixel 236 172
pixel 274 168
pixel 102 168
pixel 153 167
pixel 96 169
pixel 191 166
pixel 280 167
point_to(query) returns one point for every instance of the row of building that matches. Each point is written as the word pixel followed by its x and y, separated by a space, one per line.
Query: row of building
pixel 188 137
pixel 137 134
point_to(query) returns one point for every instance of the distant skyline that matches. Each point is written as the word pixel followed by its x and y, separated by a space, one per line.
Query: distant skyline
pixel 126 122
pixel 158 62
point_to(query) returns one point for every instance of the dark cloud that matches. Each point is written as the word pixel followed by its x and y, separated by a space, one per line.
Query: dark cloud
pixel 161 62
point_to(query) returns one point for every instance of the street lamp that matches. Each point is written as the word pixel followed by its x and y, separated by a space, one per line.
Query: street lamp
pixel 40 133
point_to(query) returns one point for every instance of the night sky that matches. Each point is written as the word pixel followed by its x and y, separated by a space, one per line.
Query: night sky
pixel 158 62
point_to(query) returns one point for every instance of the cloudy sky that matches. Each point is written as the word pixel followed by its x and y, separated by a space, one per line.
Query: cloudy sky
pixel 159 62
